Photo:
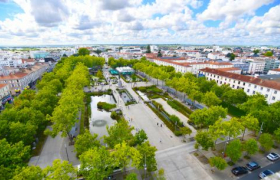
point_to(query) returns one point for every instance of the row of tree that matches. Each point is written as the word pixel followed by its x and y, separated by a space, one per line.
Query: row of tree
pixel 25 119
pixel 211 94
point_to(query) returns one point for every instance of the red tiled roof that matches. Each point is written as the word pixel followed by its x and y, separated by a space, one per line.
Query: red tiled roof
pixel 28 60
pixel 17 75
pixel 276 69
pixel 249 79
pixel 3 85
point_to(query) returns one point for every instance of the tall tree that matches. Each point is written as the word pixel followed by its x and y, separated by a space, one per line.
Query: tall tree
pixel 124 155
pixel 266 141
pixel 249 122
pixel 148 154
pixel 218 162
pixel 185 131
pixel 120 132
pixel 234 96
pixel 86 141
pixel 277 135
pixel 83 52
pixel 140 137
pixel 234 150
pixel 210 99
pixel 251 146
pixel 204 140
pixel 60 170
pixel 30 173
pixel 96 163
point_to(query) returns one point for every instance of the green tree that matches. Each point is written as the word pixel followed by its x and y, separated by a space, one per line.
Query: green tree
pixel 159 54
pixel 148 154
pixel 148 49
pixel 266 141
pixel 234 150
pixel 185 131
pixel 256 51
pixel 204 140
pixel 123 155
pixel 218 162
pixel 140 137
pixel 235 96
pixel 60 170
pixel 30 173
pixel 118 133
pixel 249 122
pixel 251 146
pixel 22 132
pixel 254 103
pixel 13 155
pixel 268 53
pixel 220 90
pixel 233 127
pixel 160 174
pixel 210 99
pixel 96 163
pixel 277 135
pixel 86 141
pixel 99 74
pixel 83 52
pixel 131 176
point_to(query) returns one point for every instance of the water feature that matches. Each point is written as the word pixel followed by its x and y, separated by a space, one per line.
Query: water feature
pixel 99 119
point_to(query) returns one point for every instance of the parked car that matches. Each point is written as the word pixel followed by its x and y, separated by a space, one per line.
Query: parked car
pixel 252 166
pixel 273 156
pixel 265 173
pixel 239 170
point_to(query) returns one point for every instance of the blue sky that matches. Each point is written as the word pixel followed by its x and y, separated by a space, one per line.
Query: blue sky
pixel 249 22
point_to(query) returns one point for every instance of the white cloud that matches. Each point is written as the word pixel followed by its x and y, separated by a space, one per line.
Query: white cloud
pixel 129 21
pixel 231 9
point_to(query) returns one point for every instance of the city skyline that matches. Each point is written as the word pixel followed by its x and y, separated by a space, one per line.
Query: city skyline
pixel 222 22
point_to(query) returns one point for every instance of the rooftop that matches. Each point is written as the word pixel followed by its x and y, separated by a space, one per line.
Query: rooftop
pixel 249 79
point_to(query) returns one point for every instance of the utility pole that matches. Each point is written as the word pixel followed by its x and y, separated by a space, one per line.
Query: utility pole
pixel 260 131
pixel 145 166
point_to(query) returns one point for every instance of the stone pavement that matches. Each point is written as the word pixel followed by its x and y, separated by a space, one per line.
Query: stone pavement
pixel 172 111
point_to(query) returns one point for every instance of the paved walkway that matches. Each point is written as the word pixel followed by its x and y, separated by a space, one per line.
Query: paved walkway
pixel 172 111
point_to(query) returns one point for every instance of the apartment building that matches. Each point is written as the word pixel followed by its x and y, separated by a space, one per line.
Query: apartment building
pixel 17 81
pixel 4 94
pixel 250 85
pixel 192 67
pixel 274 71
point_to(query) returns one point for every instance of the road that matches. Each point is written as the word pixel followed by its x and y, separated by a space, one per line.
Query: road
pixel 255 174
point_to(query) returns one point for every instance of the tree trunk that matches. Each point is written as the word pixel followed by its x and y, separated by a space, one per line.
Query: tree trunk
pixel 243 134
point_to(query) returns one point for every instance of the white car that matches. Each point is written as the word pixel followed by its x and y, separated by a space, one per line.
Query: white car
pixel 273 156
pixel 266 173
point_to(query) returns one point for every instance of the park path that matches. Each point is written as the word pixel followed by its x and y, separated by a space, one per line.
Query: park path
pixel 172 111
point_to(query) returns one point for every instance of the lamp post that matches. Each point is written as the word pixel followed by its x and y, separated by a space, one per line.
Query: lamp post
pixel 225 146
pixel 260 131
pixel 66 151
pixel 145 167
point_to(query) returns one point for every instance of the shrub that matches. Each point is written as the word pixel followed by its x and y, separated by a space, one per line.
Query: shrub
pixel 105 106
pixel 179 107
pixel 178 133
pixel 114 115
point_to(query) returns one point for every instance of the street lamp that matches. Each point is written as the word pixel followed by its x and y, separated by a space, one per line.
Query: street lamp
pixel 66 151
pixel 260 131
pixel 145 167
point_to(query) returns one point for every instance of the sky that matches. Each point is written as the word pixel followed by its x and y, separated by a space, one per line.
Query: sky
pixel 62 22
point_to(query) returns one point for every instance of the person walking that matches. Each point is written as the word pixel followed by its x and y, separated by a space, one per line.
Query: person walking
pixel 160 140
pixel 157 124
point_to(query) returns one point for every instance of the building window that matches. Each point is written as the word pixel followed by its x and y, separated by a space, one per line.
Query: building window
pixel 249 85
pixel 266 96
pixel 221 82
pixel 273 97
pixel 275 92
pixel 234 81
pixel 255 86
pixel 238 82
pixel 244 83
pixel 237 87
pixel 248 90
pixel 261 88
pixel 232 86
pixel 268 90
pixel 254 92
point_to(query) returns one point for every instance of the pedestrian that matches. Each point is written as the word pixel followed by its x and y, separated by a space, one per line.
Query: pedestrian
pixel 160 140
pixel 157 124
pixel 161 125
